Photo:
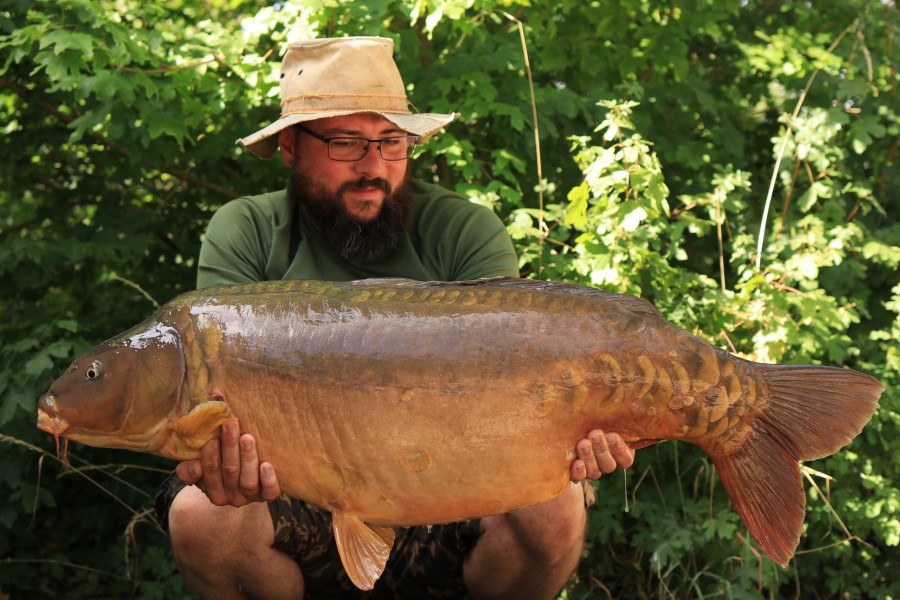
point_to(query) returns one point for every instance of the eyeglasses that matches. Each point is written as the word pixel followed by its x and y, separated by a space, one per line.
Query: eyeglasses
pixel 350 149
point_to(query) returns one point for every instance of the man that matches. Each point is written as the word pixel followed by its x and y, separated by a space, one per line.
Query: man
pixel 350 212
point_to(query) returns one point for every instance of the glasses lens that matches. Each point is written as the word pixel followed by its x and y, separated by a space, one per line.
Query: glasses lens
pixel 347 148
pixel 397 148
pixel 352 149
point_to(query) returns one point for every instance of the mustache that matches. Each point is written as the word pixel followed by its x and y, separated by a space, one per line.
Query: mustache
pixel 365 182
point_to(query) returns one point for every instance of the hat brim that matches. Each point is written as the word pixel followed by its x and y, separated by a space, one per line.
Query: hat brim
pixel 264 142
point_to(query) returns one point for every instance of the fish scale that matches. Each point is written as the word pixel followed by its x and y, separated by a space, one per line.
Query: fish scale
pixel 384 401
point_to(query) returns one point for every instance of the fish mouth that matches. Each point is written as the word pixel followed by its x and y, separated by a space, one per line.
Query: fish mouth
pixel 54 425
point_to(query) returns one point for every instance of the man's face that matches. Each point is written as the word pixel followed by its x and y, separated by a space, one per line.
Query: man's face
pixel 360 207
pixel 360 184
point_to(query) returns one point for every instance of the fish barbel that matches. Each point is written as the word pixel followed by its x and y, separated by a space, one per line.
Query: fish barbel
pixel 384 400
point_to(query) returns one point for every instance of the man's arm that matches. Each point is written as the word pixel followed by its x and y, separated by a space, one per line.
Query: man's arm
pixel 235 247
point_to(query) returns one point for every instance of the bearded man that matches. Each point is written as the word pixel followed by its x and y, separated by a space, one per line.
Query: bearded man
pixel 350 212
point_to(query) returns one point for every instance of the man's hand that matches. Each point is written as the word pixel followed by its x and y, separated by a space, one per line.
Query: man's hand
pixel 229 471
pixel 600 453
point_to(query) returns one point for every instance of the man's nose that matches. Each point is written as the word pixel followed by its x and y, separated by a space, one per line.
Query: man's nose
pixel 371 163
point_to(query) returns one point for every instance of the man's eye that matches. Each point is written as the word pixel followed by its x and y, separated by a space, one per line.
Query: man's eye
pixel 393 142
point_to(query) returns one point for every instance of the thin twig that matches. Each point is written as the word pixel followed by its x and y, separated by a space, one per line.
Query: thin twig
pixel 134 285
pixel 730 344
pixel 719 219
pixel 807 472
pixel 759 560
pixel 51 561
pixel 537 138
pixel 784 141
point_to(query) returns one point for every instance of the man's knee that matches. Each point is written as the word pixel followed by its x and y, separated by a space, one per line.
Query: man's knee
pixel 560 535
pixel 547 533
pixel 189 518
pixel 199 528
pixel 528 553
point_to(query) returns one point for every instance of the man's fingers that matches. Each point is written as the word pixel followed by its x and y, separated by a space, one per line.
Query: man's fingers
pixel 211 462
pixel 270 487
pixel 585 450
pixel 621 452
pixel 231 456
pixel 250 472
pixel 189 471
pixel 605 461
pixel 577 472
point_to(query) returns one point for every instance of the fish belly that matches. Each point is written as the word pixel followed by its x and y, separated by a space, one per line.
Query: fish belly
pixel 406 452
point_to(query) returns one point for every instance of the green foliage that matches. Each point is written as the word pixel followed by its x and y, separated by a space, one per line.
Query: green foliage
pixel 667 132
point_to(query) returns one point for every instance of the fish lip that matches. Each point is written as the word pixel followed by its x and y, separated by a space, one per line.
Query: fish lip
pixel 52 424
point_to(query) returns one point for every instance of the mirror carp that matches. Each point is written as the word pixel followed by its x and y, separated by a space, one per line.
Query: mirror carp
pixel 383 400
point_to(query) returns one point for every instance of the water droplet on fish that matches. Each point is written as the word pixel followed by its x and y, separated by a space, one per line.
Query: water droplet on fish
pixel 625 486
pixel 428 527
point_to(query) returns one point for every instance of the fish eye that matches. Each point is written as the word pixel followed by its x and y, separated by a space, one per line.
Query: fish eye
pixel 94 371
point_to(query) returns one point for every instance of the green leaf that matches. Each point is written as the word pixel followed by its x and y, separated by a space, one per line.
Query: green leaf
pixel 883 253
pixel 864 130
pixel 63 40
pixel 576 210
pixel 38 364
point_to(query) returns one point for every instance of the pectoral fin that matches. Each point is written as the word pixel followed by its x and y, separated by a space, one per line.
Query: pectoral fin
pixel 364 549
pixel 202 423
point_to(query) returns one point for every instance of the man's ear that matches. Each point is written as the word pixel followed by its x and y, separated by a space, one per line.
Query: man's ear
pixel 286 139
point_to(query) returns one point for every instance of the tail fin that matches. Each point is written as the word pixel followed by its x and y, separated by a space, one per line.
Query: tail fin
pixel 812 412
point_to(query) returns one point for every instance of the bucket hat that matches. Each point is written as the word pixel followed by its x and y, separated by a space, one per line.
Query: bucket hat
pixel 331 77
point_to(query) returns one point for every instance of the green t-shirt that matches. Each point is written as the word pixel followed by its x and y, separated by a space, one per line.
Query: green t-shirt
pixel 261 238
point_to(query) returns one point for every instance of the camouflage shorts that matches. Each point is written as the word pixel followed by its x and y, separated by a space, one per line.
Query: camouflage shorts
pixel 425 562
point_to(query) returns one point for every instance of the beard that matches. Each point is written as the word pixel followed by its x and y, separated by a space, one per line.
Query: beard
pixel 351 238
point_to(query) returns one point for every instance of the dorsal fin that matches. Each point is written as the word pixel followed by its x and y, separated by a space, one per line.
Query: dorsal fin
pixel 364 549
pixel 627 302
pixel 632 304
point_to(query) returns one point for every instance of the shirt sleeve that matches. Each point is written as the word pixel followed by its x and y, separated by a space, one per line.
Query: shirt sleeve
pixel 235 247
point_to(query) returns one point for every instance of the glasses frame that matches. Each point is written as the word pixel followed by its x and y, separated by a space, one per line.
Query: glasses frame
pixel 413 140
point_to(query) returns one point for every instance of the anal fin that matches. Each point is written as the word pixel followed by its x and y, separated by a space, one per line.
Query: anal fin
pixel 364 549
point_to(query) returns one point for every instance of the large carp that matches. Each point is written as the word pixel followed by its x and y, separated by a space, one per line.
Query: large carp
pixel 384 400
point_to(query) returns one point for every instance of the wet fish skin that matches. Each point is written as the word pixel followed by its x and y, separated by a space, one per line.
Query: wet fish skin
pixel 384 400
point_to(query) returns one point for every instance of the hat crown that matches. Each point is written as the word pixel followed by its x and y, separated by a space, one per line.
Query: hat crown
pixel 332 77
pixel 342 74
